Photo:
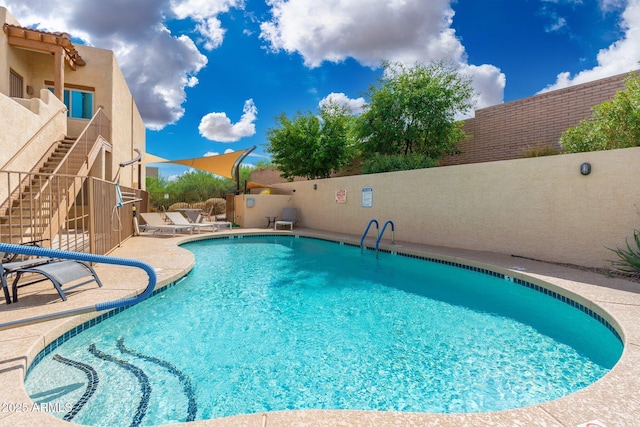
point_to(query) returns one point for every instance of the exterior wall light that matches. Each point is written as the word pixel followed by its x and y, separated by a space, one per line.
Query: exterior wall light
pixel 315 186
pixel 585 168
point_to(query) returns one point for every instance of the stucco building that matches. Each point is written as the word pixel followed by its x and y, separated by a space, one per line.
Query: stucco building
pixel 65 109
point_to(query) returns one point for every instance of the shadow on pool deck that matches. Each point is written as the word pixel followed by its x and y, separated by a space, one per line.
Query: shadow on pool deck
pixel 614 400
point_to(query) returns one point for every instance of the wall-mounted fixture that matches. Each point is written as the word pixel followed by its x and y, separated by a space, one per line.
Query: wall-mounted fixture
pixel 315 186
pixel 29 90
pixel 585 168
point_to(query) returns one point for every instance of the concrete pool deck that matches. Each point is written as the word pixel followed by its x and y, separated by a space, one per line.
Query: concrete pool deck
pixel 613 401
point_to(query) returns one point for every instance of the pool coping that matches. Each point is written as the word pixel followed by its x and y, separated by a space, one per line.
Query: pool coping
pixel 613 400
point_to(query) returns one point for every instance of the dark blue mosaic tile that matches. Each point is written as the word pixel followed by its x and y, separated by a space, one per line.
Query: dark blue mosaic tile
pixel 92 384
pixel 187 387
pixel 143 379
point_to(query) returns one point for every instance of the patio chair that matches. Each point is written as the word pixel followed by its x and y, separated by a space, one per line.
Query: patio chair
pixel 9 263
pixel 288 218
pixel 154 222
pixel 62 273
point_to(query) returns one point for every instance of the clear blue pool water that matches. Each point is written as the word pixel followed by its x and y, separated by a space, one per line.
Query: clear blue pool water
pixel 283 323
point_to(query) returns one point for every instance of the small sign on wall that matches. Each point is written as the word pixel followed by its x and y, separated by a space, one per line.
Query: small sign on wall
pixel 367 197
pixel 341 196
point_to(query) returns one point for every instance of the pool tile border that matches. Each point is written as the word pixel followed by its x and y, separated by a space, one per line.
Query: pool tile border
pixel 96 320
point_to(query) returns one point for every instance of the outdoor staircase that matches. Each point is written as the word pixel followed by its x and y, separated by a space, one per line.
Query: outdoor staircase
pixel 40 203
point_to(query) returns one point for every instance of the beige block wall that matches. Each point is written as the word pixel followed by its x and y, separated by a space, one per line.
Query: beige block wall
pixel 541 208
pixel 263 205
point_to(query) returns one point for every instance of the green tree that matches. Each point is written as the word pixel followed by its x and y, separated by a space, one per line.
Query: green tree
pixel 309 145
pixel 412 114
pixel 613 124
pixel 199 184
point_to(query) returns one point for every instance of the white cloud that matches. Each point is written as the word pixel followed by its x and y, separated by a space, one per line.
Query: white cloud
pixel 406 31
pixel 368 30
pixel 355 105
pixel 620 57
pixel 204 13
pixel 488 83
pixel 158 80
pixel 218 127
pixel 157 64
pixel 557 24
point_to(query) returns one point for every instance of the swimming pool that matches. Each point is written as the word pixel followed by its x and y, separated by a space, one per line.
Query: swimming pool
pixel 278 323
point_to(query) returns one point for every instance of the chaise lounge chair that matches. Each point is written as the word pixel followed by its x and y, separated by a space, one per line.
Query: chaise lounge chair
pixel 178 219
pixel 288 218
pixel 154 222
pixel 60 272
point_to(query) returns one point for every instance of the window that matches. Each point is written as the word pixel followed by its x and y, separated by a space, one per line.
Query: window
pixel 79 103
pixel 15 84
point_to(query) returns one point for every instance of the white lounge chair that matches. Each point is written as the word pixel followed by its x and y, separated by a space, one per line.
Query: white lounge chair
pixel 155 222
pixel 177 218
pixel 288 218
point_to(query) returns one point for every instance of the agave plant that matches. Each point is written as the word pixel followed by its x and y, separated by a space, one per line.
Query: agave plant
pixel 629 259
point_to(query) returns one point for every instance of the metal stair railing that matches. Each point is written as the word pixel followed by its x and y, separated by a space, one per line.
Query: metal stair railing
pixel 58 199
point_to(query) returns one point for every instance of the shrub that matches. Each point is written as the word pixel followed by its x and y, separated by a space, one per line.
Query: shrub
pixel 547 150
pixel 179 205
pixel 219 206
pixel 613 124
pixel 629 258
pixel 389 163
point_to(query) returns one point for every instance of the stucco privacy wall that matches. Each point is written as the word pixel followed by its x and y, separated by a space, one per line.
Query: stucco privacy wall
pixel 252 210
pixel 39 121
pixel 541 207
pixel 508 131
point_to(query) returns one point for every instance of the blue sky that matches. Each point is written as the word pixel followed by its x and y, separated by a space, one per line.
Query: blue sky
pixel 211 76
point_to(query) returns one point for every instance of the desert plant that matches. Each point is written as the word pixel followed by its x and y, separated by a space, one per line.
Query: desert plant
pixel 219 206
pixel 629 258
pixel 179 205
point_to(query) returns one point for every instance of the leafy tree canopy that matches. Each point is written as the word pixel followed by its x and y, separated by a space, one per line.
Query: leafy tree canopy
pixel 193 186
pixel 311 146
pixel 412 112
pixel 613 124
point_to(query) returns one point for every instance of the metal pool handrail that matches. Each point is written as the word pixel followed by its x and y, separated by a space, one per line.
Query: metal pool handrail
pixel 109 305
pixel 384 227
pixel 367 230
